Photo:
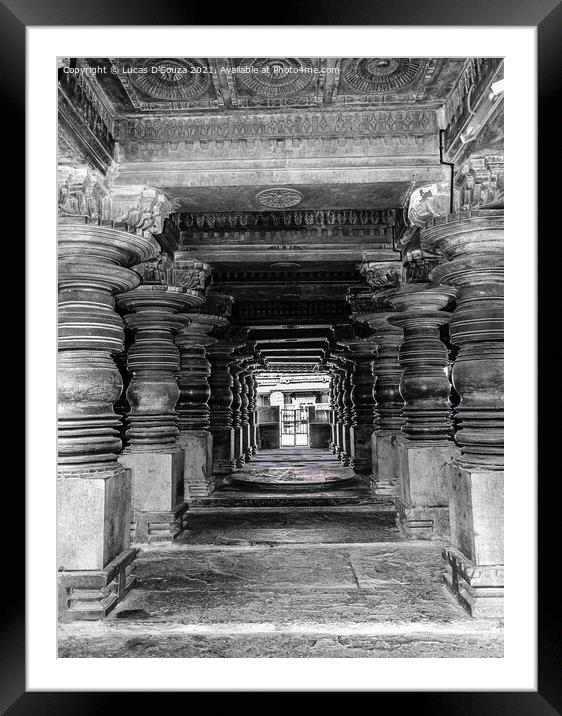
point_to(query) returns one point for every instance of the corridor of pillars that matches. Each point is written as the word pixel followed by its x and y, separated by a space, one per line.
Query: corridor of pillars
pixel 179 420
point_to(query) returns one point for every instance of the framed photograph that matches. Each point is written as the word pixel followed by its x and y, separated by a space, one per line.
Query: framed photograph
pixel 266 365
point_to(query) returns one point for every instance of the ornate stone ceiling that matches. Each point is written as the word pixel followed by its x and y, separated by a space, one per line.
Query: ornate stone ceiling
pixel 155 85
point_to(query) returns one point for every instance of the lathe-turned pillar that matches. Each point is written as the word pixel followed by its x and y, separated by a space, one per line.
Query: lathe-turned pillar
pixel 252 385
pixel 389 416
pixel 428 450
pixel 237 372
pixel 334 378
pixel 95 561
pixel 362 353
pixel 153 455
pixel 341 371
pixel 220 405
pixel 193 404
pixel 472 244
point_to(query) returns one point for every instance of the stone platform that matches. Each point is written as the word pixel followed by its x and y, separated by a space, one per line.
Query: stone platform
pixel 294 470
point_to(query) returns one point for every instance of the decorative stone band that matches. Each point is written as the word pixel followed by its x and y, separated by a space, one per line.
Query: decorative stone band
pixel 473 244
pixel 81 240
pixel 86 317
pixel 466 233
pixel 153 361
pixel 424 384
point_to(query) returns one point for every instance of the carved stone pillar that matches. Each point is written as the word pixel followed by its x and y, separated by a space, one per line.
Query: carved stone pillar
pixel 389 416
pixel 363 404
pixel 220 405
pixel 339 372
pixel 345 407
pixel 93 489
pixel 472 244
pixel 428 451
pixel 332 398
pixel 252 386
pixel 193 404
pixel 237 371
pixel 153 455
pixel 245 409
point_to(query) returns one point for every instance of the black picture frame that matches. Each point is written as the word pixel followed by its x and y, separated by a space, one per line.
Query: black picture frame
pixel 546 16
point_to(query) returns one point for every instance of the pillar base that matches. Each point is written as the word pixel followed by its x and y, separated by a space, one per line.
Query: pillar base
pixel 158 494
pixel 474 570
pixel 361 456
pixel 479 589
pixel 386 464
pixel 223 451
pixel 198 478
pixel 93 508
pixel 93 594
pixel 423 505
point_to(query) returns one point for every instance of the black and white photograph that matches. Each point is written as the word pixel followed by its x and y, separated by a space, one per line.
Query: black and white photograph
pixel 267 299
pixel 280 369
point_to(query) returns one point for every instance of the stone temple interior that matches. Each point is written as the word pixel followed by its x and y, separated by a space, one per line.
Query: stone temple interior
pixel 280 369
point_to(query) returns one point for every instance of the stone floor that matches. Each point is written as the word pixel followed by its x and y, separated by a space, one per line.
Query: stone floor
pixel 319 575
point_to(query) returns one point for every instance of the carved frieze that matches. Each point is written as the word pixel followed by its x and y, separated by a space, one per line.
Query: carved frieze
pixel 281 124
pixel 289 220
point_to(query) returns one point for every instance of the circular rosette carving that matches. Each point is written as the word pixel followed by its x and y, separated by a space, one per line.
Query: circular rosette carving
pixel 276 77
pixel 381 74
pixel 170 79
pixel 279 198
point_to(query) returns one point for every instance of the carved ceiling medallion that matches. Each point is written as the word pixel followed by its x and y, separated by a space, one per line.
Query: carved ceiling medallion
pixel 279 198
pixel 170 79
pixel 276 77
pixel 381 74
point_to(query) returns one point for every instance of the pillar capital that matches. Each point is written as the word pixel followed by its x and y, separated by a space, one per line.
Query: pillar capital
pixel 473 233
pixel 86 194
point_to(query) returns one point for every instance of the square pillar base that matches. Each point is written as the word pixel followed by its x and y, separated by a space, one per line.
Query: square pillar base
pixel 93 594
pixel 386 464
pixel 474 562
pixel 223 451
pixel 360 439
pixel 158 494
pixel 198 478
pixel 93 516
pixel 423 505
